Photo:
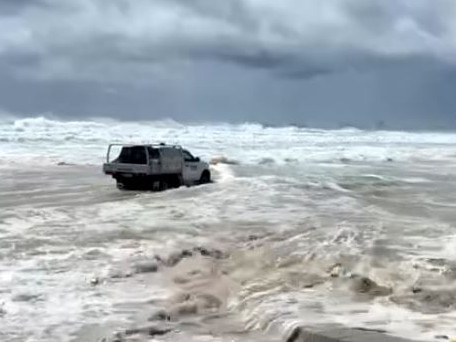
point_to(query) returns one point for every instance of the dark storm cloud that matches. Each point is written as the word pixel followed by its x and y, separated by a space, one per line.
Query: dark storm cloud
pixel 9 8
pixel 74 39
pixel 247 56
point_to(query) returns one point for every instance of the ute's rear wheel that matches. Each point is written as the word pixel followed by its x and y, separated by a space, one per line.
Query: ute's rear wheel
pixel 205 177
pixel 124 185
pixel 170 182
pixel 175 181
pixel 164 185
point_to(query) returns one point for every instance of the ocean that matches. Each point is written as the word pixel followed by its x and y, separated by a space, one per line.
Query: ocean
pixel 301 227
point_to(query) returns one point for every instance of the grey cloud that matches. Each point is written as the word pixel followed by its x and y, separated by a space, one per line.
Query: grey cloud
pixel 300 61
pixel 414 95
pixel 94 39
pixel 14 7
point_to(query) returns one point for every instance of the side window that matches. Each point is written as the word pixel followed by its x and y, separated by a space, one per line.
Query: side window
pixel 187 156
pixel 133 155
pixel 153 153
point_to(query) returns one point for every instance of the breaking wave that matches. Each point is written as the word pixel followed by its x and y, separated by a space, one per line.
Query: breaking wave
pixel 85 142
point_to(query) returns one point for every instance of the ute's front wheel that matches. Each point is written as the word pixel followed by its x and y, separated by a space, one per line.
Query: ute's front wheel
pixel 205 177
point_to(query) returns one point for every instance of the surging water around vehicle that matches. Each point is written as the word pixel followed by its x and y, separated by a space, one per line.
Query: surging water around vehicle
pixel 301 226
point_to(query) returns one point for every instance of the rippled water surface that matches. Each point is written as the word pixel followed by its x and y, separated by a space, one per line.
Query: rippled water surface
pixel 300 227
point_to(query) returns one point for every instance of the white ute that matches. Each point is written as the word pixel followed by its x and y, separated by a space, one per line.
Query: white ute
pixel 155 167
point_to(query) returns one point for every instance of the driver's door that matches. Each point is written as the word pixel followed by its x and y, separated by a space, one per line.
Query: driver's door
pixel 191 169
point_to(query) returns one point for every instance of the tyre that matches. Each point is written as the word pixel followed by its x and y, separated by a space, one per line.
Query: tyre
pixel 123 185
pixel 164 185
pixel 175 182
pixel 126 184
pixel 205 177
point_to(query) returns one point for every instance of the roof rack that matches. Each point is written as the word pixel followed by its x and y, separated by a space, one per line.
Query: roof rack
pixel 158 145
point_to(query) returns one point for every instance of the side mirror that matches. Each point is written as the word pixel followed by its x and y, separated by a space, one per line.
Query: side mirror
pixel 197 159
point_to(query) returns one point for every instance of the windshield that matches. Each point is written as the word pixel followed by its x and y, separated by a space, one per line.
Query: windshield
pixel 187 156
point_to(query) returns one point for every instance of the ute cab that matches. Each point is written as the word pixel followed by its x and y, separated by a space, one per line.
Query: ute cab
pixel 154 167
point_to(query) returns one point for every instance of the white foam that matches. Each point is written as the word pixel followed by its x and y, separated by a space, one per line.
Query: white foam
pixel 223 173
pixel 86 141
pixel 296 197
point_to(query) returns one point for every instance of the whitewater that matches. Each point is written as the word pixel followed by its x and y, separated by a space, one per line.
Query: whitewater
pixel 301 227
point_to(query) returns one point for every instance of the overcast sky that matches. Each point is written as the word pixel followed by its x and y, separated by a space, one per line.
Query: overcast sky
pixel 315 62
